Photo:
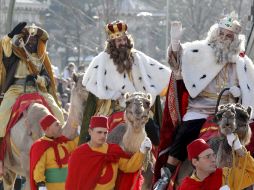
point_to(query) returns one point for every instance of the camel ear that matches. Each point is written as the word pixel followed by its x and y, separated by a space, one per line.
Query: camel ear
pixel 249 110
pixel 75 77
pixel 149 97
pixel 221 107
pixel 127 95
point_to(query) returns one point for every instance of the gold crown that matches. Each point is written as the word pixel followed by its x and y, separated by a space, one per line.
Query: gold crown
pixel 116 29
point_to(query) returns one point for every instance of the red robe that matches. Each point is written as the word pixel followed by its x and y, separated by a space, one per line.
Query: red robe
pixel 85 162
pixel 212 182
pixel 38 148
pixel 175 107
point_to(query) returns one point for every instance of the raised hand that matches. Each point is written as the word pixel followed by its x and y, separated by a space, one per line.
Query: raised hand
pixel 176 34
pixel 17 29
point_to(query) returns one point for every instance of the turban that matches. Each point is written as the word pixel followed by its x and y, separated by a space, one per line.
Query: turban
pixel 46 121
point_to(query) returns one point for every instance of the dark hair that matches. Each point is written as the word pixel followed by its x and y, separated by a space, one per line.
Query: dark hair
pixel 122 57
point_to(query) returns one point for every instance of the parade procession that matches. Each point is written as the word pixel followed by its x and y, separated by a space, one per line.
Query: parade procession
pixel 126 95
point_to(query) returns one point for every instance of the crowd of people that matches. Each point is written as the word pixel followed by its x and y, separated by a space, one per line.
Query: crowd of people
pixel 197 72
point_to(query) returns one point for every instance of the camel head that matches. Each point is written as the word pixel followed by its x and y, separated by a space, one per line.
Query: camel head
pixel 137 109
pixel 78 90
pixel 227 119
pixel 234 118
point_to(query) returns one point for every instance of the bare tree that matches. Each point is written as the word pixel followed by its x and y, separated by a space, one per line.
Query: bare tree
pixel 198 15
pixel 10 15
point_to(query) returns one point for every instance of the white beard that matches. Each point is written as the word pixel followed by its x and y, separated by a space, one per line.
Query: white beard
pixel 224 52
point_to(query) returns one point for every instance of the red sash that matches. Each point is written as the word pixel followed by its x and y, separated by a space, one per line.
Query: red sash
pixel 177 97
pixel 85 163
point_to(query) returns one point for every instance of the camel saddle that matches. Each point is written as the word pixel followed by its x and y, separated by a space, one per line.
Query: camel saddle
pixel 22 103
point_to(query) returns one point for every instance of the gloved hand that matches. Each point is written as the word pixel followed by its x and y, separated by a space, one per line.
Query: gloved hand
pixel 235 91
pixel 234 141
pixel 17 29
pixel 42 188
pixel 176 34
pixel 146 145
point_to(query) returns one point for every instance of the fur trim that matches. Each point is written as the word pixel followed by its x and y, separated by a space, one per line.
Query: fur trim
pixel 198 66
pixel 245 72
pixel 103 80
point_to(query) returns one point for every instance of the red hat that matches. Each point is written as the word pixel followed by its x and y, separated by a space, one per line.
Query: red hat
pixel 99 121
pixel 196 147
pixel 46 121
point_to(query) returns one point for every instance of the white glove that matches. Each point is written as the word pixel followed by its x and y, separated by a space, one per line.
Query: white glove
pixel 146 145
pixel 234 141
pixel 224 187
pixel 41 80
pixel 235 91
pixel 176 34
pixel 42 188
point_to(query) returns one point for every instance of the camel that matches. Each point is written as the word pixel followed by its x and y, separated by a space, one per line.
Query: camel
pixel 231 118
pixel 131 134
pixel 27 130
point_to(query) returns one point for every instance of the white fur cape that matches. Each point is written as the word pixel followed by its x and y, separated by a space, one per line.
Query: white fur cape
pixel 103 80
pixel 199 68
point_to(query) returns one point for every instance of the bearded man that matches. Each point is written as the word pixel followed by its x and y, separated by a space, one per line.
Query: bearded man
pixel 119 69
pixel 201 69
pixel 25 58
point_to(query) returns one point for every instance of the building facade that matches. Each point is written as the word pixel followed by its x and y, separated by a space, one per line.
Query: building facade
pixel 24 10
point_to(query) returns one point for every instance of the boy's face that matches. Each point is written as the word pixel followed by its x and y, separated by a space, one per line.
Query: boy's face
pixel 54 130
pixel 98 136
